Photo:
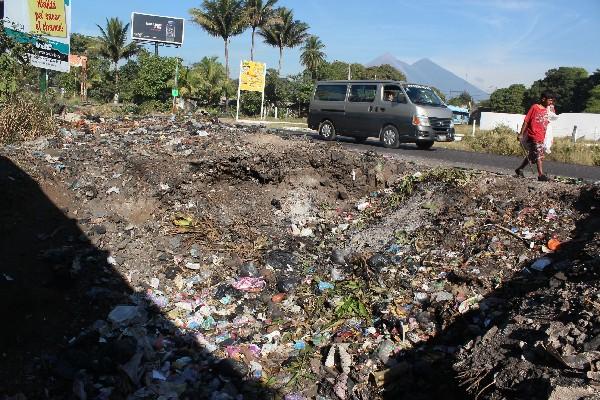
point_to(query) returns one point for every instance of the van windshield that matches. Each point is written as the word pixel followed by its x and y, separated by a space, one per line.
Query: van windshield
pixel 419 94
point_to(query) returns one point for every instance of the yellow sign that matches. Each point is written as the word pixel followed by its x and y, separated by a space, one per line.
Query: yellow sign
pixel 48 17
pixel 252 76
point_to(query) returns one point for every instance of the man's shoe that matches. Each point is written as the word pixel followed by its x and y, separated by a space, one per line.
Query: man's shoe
pixel 519 173
pixel 543 178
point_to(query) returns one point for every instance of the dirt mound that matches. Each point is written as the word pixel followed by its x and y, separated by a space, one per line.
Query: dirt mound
pixel 191 259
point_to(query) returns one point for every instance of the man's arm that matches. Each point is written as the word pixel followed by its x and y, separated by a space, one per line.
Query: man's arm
pixel 525 124
pixel 523 131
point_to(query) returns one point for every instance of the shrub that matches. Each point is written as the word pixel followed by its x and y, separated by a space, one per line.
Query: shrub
pixel 501 140
pixel 25 117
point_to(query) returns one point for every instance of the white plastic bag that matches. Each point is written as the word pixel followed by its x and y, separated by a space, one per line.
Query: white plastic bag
pixel 549 139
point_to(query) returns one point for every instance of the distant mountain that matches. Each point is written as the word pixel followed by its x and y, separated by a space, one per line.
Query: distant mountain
pixel 427 72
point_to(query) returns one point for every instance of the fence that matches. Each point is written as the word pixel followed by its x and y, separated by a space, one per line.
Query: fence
pixel 587 126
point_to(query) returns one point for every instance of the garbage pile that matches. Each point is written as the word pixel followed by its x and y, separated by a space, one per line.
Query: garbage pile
pixel 230 262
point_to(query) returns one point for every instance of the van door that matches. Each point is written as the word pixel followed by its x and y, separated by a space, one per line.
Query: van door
pixel 395 110
pixel 329 103
pixel 360 109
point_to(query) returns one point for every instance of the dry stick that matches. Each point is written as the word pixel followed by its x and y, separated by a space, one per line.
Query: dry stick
pixel 509 232
pixel 527 156
pixel 482 390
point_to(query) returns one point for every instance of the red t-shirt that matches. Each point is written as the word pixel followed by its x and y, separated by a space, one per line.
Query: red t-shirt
pixel 537 122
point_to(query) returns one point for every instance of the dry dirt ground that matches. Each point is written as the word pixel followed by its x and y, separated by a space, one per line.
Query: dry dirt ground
pixel 196 260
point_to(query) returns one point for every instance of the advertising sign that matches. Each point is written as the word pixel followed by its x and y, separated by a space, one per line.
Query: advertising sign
pixel 155 28
pixel 44 23
pixel 252 79
pixel 252 76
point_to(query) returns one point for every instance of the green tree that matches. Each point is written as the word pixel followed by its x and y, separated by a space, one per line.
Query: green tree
pixel 338 70
pixel 277 90
pixel 508 100
pixel 385 71
pixel 285 32
pixel 593 102
pixel 463 99
pixel 112 45
pixel 153 76
pixel 259 14
pixel 208 81
pixel 583 90
pixel 313 56
pixel 15 69
pixel 562 82
pixel 221 18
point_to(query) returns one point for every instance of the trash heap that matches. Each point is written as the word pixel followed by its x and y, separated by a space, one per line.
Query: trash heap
pixel 255 265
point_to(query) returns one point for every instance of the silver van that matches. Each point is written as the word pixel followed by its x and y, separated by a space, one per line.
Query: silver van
pixel 395 112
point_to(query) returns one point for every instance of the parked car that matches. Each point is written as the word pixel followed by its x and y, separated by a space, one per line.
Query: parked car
pixel 395 112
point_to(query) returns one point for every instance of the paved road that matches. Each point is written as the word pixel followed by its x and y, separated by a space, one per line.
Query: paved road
pixel 466 159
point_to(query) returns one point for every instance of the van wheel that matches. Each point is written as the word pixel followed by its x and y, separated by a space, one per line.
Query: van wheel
pixel 327 130
pixel 390 137
pixel 424 144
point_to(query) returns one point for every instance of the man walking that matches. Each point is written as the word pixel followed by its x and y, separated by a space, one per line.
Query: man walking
pixel 533 133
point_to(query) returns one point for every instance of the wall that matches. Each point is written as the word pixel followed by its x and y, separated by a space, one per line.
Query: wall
pixel 588 125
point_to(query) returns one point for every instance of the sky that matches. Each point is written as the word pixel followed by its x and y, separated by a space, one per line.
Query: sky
pixel 490 43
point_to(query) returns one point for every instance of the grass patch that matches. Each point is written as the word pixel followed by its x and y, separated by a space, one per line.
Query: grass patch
pixel 25 117
pixel 503 141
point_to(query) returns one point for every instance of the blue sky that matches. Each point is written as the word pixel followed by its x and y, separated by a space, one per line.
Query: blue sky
pixel 491 43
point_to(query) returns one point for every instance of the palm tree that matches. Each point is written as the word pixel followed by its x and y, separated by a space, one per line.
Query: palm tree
pixel 312 56
pixel 285 32
pixel 208 80
pixel 111 45
pixel 259 14
pixel 221 18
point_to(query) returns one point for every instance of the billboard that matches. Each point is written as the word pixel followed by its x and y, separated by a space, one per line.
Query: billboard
pixel 44 23
pixel 155 28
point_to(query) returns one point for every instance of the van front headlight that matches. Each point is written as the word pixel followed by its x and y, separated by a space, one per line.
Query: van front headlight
pixel 421 120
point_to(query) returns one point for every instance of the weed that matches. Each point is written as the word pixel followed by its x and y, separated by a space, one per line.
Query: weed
pixel 25 117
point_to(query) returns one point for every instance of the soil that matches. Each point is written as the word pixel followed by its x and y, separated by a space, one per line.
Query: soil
pixel 373 278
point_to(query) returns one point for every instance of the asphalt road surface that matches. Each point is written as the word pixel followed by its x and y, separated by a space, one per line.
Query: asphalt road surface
pixel 438 156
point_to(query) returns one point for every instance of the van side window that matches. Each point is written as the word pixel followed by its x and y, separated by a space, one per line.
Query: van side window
pixel 362 93
pixel 393 93
pixel 331 92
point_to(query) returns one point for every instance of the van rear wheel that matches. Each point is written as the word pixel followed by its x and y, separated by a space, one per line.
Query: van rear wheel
pixel 424 144
pixel 390 137
pixel 327 130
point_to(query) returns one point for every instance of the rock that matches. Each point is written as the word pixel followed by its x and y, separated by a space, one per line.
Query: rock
pixel 174 242
pixel 99 229
pixel 342 195
pixel 338 256
pixel 249 270
pixel 125 315
pixel 287 284
pixel 442 296
pixel 276 203
pixel 385 350
pixel 378 261
pixel 232 368
pixel 280 260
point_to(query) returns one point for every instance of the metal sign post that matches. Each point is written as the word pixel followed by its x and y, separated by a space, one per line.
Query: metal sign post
pixel 237 111
pixel 262 101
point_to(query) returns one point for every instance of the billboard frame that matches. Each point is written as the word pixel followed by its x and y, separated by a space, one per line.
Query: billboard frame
pixel 20 28
pixel 156 42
